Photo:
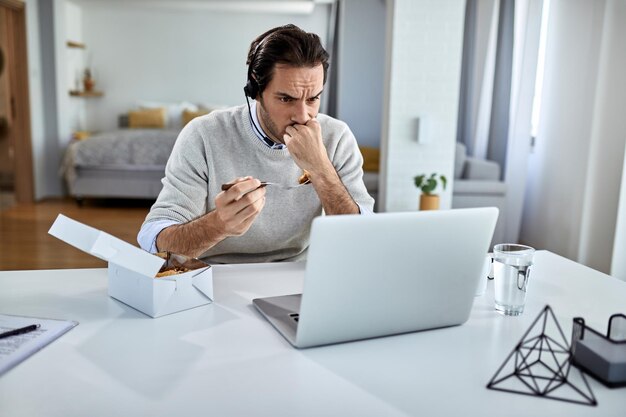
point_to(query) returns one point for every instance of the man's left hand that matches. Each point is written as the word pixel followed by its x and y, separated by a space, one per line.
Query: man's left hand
pixel 305 145
pixel 307 149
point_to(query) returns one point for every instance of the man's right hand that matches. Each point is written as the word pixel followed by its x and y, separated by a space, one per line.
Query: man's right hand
pixel 235 211
pixel 238 207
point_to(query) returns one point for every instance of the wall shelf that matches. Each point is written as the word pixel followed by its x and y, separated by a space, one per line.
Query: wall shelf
pixel 75 93
pixel 74 44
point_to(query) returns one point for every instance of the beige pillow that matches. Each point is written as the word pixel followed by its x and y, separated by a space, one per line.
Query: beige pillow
pixel 371 158
pixel 81 135
pixel 151 118
pixel 189 115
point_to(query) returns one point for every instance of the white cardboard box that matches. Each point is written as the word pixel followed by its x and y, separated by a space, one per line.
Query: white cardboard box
pixel 131 272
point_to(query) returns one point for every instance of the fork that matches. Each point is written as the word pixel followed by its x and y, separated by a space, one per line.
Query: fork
pixel 264 183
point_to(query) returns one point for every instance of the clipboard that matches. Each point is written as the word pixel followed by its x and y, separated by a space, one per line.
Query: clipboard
pixel 16 349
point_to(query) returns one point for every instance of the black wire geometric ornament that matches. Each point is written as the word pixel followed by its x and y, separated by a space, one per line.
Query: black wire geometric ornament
pixel 540 365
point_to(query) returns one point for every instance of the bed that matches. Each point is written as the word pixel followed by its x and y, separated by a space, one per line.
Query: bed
pixel 125 163
pixel 130 163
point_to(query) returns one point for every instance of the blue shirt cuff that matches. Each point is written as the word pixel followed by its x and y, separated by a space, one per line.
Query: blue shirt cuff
pixel 363 210
pixel 148 234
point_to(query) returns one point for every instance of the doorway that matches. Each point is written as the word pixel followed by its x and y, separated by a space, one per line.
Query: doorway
pixel 16 167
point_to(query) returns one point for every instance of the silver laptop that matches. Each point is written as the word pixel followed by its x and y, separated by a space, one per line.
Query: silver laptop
pixel 383 274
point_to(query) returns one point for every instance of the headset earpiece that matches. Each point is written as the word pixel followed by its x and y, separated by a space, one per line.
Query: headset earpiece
pixel 252 88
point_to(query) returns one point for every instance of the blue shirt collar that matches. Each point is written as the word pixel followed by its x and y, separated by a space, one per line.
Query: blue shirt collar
pixel 266 140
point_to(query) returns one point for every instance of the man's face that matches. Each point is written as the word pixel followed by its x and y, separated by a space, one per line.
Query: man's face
pixel 292 97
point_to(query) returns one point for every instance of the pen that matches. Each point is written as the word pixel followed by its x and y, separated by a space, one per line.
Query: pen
pixel 21 330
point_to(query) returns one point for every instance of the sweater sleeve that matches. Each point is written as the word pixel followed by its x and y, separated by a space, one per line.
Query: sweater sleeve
pixel 348 161
pixel 185 185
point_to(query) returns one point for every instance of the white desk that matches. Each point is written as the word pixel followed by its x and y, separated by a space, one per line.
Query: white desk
pixel 226 360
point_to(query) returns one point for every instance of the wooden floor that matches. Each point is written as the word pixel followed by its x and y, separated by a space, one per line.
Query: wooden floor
pixel 26 244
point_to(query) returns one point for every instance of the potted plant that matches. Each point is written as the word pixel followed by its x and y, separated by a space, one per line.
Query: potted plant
pixel 428 184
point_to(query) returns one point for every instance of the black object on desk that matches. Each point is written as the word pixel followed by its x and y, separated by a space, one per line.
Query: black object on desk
pixel 603 357
pixel 14 350
pixel 539 365
pixel 21 330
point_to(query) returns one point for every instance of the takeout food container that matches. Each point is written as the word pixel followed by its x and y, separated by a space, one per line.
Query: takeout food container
pixel 132 271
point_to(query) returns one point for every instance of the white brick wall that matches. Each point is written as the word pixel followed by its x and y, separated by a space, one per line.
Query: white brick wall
pixel 424 42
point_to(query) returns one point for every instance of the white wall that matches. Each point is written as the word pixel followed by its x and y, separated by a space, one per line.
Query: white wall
pixel 575 170
pixel 362 68
pixel 142 52
pixel 425 39
pixel 68 25
pixel 193 51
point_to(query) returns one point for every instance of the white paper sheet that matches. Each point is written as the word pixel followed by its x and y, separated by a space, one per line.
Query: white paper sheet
pixel 14 349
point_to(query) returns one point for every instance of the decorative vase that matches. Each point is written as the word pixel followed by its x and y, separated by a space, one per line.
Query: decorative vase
pixel 89 84
pixel 88 80
pixel 429 202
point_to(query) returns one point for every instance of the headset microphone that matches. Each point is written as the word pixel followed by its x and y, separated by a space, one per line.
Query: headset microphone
pixel 259 130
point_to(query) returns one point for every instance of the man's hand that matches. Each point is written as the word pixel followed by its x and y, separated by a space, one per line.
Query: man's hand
pixel 305 145
pixel 236 209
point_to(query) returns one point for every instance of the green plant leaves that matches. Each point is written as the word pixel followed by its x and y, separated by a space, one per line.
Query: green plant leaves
pixel 428 184
pixel 419 180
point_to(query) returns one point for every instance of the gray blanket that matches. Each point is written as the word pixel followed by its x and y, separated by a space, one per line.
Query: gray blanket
pixel 121 148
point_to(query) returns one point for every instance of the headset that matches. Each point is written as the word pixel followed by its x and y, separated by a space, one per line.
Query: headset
pixel 251 89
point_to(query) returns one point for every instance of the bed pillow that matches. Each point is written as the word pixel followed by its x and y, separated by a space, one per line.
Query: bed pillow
pixel 174 111
pixel 147 118
pixel 212 106
pixel 189 115
pixel 371 158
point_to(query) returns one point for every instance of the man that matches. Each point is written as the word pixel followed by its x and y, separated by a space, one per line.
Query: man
pixel 274 140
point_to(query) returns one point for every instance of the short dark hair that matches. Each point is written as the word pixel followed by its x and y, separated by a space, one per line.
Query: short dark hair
pixel 288 45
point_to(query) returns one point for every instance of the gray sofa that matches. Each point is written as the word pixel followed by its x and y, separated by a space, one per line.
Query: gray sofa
pixel 477 184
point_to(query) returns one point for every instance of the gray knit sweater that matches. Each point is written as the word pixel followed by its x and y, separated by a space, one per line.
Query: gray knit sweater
pixel 214 149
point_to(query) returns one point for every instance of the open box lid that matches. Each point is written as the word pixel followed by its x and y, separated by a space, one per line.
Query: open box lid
pixel 105 246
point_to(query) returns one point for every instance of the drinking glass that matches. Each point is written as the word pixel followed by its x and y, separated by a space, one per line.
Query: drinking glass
pixel 511 268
